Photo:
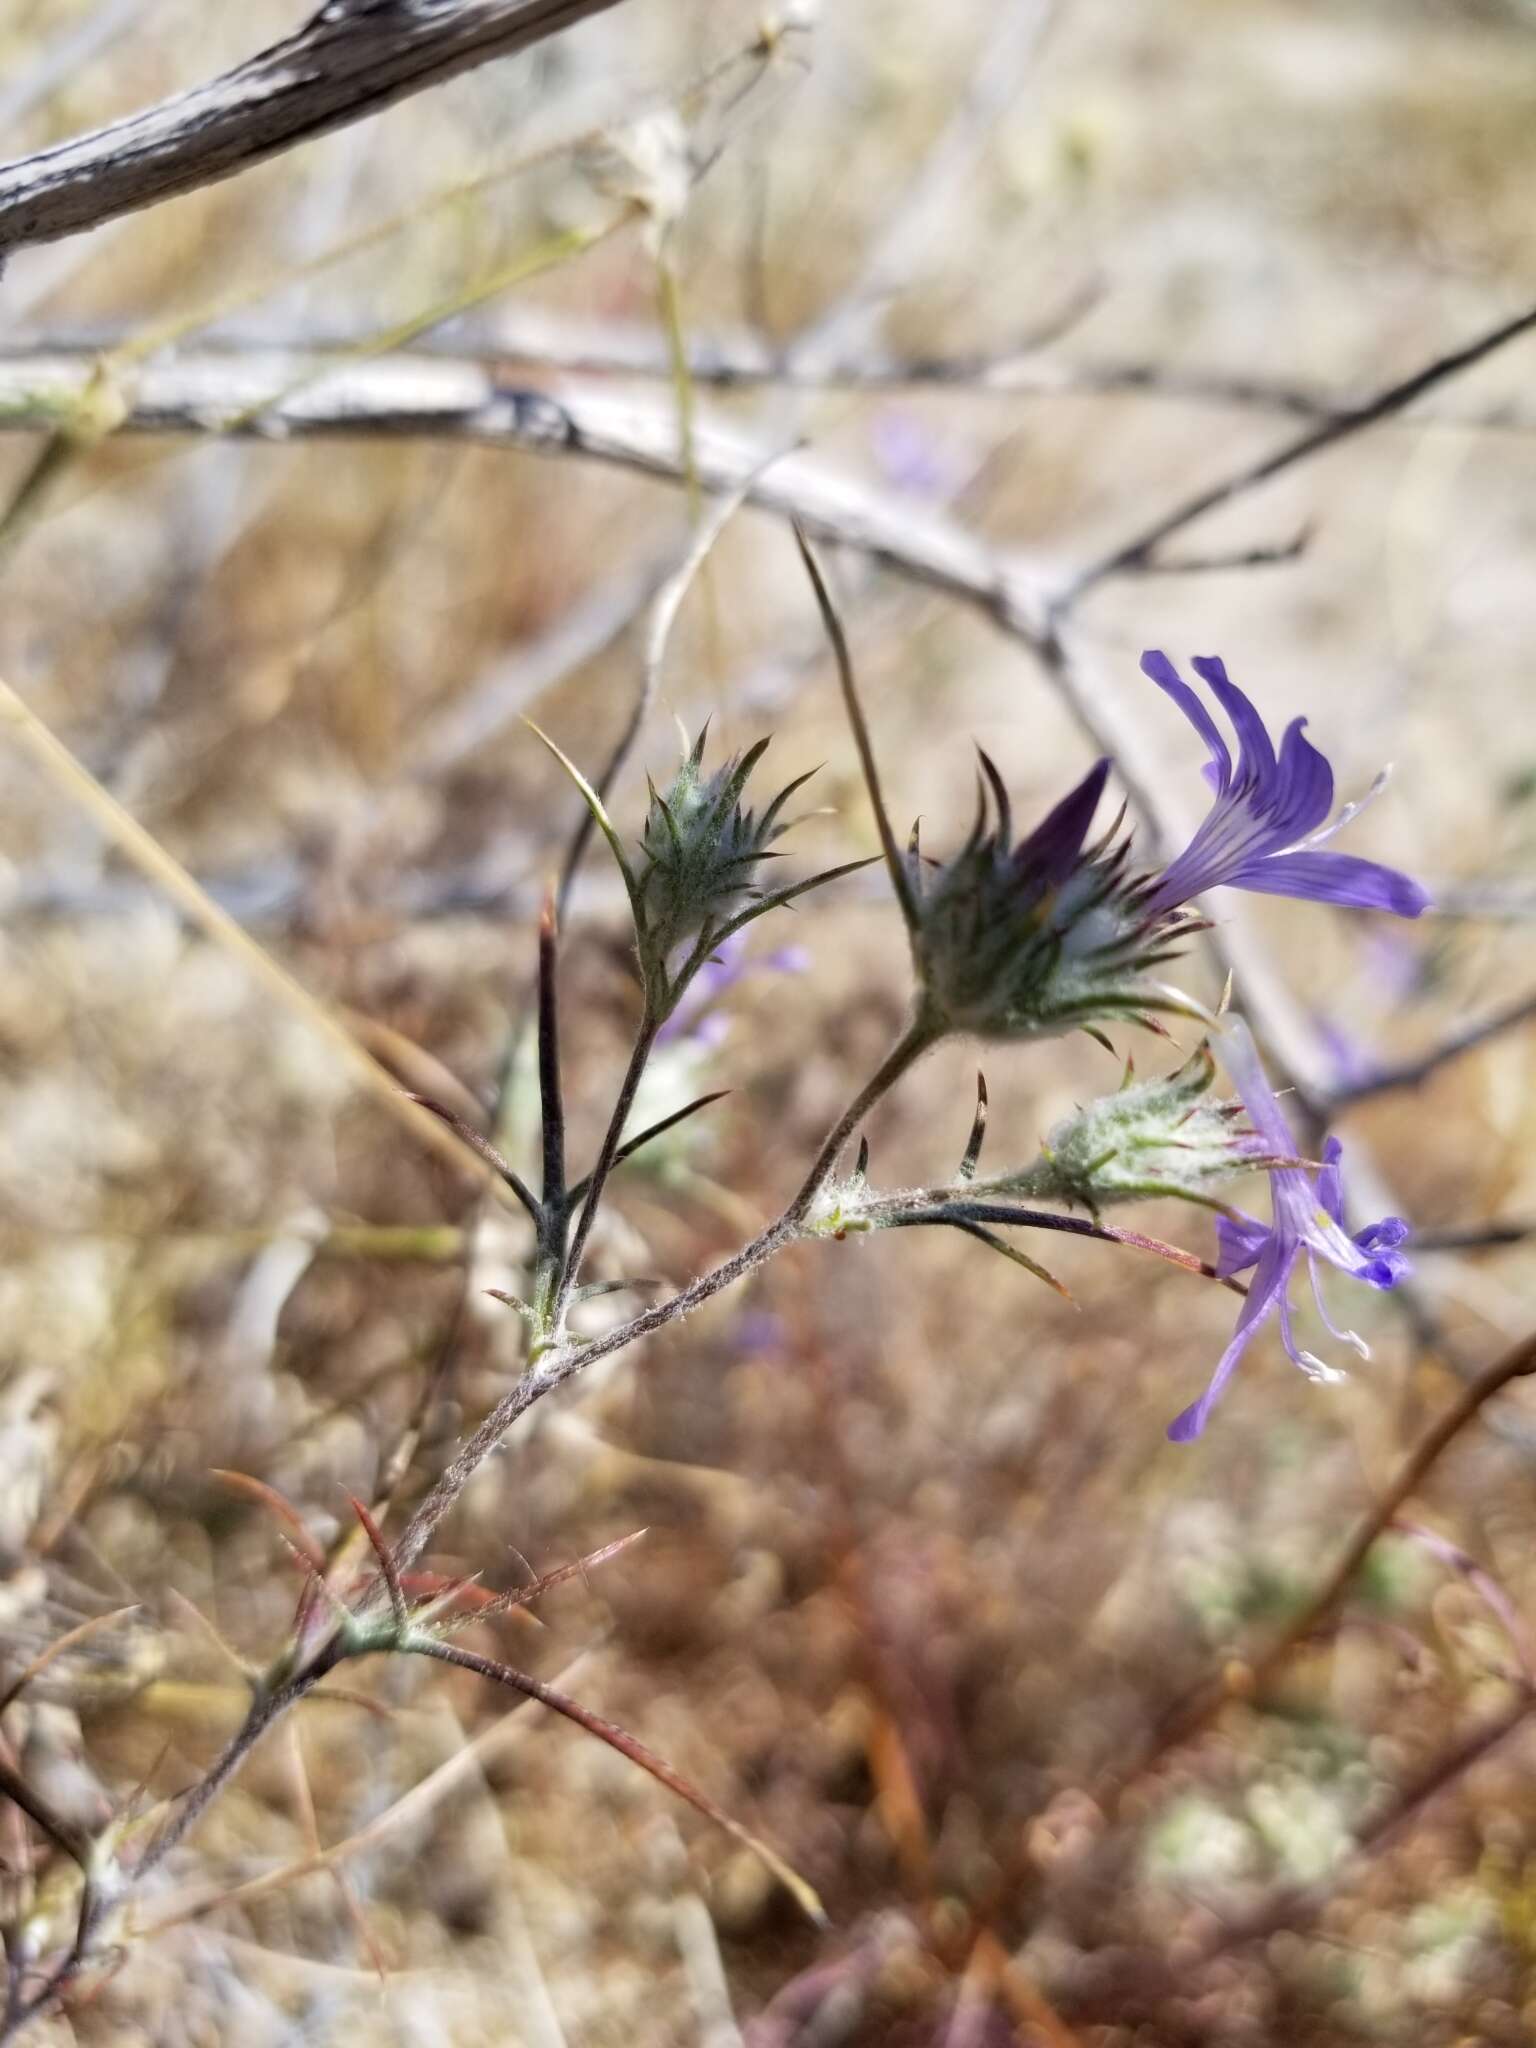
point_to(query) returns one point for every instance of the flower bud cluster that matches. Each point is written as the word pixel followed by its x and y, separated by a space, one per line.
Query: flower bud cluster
pixel 700 852
pixel 1151 1138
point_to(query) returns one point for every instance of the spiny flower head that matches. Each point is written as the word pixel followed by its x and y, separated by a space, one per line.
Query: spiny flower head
pixel 1024 941
pixel 692 884
pixel 1167 1136
pixel 1306 1220
pixel 700 848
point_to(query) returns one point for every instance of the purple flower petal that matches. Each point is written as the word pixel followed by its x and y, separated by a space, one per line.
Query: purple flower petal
pixel 1306 1219
pixel 1218 770
pixel 1386 1235
pixel 1050 852
pixel 1256 834
pixel 1264 1294
pixel 1333 878
pixel 1256 758
pixel 1305 781
pixel 1240 1240
pixel 1330 1182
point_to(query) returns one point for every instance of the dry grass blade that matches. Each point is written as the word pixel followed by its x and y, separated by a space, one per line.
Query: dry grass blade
pixel 151 859
pixel 381 1551
pixel 646 1760
pixel 522 1596
pixel 284 1513
pixel 71 1640
pixel 309 1818
pixel 194 1615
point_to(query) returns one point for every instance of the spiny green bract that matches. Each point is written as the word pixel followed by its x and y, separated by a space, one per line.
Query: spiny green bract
pixel 1159 1137
pixel 700 850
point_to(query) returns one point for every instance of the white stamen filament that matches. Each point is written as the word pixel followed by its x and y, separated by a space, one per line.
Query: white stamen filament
pixel 1350 812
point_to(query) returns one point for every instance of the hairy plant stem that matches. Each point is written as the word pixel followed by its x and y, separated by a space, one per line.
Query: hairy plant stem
pixel 265 1709
pixel 96 1898
pixel 557 1366
pixel 920 1036
pixel 597 1180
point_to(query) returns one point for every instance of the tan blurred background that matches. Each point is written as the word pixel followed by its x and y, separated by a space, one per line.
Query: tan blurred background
pixel 920 1561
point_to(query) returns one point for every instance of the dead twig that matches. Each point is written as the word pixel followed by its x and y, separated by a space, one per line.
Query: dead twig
pixel 349 60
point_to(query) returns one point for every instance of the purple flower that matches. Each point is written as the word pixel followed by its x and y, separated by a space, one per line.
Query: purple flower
pixel 695 1018
pixel 1306 1217
pixel 1350 1058
pixel 911 457
pixel 1263 831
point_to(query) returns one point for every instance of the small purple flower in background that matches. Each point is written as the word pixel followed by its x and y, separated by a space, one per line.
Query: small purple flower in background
pixel 1351 1061
pixel 1059 932
pixel 1263 831
pixel 1306 1217
pixel 1395 968
pixel 695 1019
pixel 910 456
pixel 759 1331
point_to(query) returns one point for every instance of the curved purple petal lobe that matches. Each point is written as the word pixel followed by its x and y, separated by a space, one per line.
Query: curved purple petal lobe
pixel 1159 669
pixel 1384 1236
pixel 1051 850
pixel 1330 1182
pixel 1333 878
pixel 1265 1292
pixel 1257 756
pixel 1385 1270
pixel 1304 795
pixel 1240 1240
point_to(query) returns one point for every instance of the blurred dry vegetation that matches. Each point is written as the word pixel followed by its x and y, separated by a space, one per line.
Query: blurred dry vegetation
pixel 920 1564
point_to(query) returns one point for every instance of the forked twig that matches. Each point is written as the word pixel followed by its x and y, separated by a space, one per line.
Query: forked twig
pixel 1248 1680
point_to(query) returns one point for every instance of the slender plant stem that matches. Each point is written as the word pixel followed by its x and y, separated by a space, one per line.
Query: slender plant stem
pixel 551 1099
pixel 264 1711
pixel 597 1180
pixel 268 1708
pixel 556 1367
pixel 917 1039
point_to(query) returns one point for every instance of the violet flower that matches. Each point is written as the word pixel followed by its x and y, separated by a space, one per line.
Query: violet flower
pixel 1263 831
pixel 1306 1218
pixel 1060 932
pixel 696 1019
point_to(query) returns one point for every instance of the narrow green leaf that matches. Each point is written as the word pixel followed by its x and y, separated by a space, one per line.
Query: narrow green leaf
pixel 600 816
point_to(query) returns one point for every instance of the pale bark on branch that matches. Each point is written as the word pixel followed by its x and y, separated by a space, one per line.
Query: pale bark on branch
pixel 348 61
pixel 290 395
